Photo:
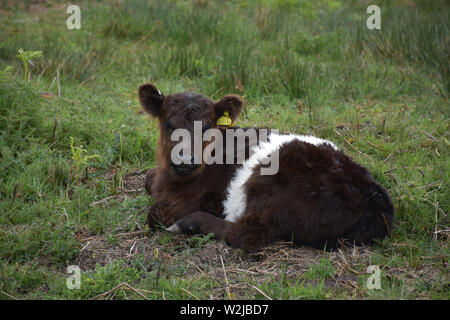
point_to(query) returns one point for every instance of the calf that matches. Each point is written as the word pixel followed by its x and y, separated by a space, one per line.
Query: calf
pixel 318 196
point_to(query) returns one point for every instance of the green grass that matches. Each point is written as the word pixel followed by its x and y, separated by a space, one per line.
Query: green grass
pixel 309 67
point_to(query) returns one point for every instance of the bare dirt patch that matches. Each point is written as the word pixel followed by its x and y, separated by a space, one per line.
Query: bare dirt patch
pixel 217 260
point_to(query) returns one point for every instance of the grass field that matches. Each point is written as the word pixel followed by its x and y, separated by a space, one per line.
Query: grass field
pixel 74 148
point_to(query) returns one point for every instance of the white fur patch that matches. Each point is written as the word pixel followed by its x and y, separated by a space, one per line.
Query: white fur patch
pixel 236 201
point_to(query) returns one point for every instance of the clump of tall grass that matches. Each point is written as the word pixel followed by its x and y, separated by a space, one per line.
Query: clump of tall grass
pixel 21 116
pixel 78 57
pixel 412 36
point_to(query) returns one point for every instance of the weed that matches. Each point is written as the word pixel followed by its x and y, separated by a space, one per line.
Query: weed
pixel 80 158
pixel 26 57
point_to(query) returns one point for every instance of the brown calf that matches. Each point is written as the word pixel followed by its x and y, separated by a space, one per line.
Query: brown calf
pixel 318 197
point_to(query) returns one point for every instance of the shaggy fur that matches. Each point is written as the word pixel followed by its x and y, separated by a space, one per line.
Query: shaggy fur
pixel 319 197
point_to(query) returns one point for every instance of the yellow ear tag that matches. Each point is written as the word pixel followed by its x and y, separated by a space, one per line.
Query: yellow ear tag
pixel 225 120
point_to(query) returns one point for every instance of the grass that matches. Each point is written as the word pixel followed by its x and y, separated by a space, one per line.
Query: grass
pixel 72 167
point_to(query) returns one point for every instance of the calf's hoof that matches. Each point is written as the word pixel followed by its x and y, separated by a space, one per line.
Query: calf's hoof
pixel 174 228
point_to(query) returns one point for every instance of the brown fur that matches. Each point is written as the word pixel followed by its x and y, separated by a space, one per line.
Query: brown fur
pixel 318 197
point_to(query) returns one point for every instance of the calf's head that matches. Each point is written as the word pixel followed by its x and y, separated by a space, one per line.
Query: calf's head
pixel 180 111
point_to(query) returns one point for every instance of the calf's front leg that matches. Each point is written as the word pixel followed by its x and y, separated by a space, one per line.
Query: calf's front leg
pixel 164 214
pixel 161 213
pixel 243 234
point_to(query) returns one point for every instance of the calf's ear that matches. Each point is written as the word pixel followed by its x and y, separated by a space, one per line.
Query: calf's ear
pixel 231 104
pixel 151 99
